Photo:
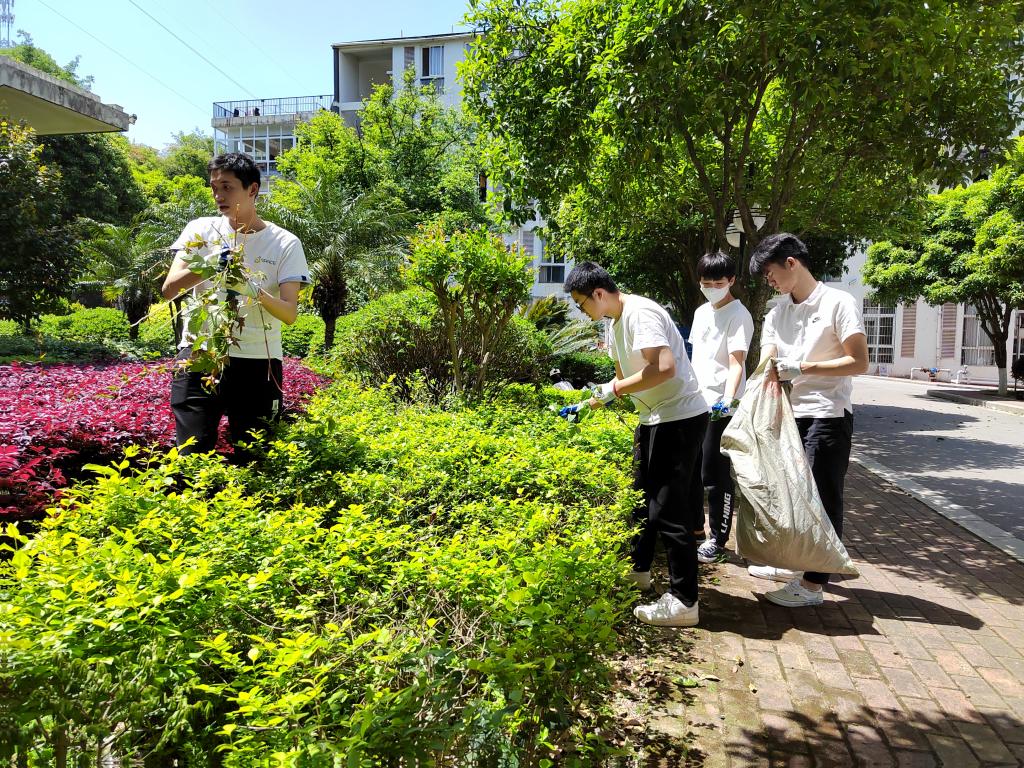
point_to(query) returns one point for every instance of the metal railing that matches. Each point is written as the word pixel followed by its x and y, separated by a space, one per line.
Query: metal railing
pixel 264 107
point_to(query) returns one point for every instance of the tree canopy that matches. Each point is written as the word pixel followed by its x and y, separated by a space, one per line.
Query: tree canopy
pixel 38 257
pixel 826 114
pixel 970 250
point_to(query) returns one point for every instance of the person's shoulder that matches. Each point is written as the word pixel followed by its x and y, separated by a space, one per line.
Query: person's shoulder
pixel 703 312
pixel 642 305
pixel 202 224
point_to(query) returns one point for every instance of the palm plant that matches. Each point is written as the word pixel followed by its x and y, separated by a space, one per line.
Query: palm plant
pixel 125 264
pixel 348 239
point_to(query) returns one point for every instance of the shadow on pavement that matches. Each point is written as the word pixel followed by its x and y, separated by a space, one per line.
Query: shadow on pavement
pixel 876 735
pixel 853 614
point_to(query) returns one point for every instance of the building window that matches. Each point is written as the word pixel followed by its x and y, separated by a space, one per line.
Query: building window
pixel 879 320
pixel 976 348
pixel 1018 339
pixel 551 266
pixel 432 73
pixel 482 181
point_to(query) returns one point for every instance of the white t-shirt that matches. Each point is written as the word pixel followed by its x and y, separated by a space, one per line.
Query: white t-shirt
pixel 815 330
pixel 714 335
pixel 273 252
pixel 645 325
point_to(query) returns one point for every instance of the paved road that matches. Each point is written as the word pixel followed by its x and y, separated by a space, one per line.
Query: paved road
pixel 973 456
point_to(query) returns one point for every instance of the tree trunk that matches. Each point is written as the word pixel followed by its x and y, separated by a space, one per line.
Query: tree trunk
pixel 60 748
pixel 330 321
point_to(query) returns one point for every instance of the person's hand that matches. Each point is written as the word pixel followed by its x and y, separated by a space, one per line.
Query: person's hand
pixel 224 259
pixel 771 382
pixel 572 410
pixel 787 368
pixel 605 393
pixel 723 410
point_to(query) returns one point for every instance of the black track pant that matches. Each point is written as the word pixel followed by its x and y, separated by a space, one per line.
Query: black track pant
pixel 666 458
pixel 716 477
pixel 827 445
pixel 249 393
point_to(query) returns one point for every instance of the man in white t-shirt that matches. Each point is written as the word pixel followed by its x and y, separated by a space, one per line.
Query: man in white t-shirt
pixel 720 335
pixel 652 369
pixel 816 335
pixel 250 389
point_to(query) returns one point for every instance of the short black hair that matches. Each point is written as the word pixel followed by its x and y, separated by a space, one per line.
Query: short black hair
pixel 586 277
pixel 243 166
pixel 716 265
pixel 776 249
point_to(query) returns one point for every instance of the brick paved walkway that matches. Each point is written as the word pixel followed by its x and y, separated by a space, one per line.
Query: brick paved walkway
pixel 917 662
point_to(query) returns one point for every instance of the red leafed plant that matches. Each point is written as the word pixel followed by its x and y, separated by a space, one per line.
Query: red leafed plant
pixel 56 418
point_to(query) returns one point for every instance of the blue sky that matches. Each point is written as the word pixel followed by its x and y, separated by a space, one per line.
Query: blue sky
pixel 271 49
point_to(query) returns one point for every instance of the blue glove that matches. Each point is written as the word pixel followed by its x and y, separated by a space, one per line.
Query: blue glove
pixel 225 258
pixel 722 410
pixel 570 410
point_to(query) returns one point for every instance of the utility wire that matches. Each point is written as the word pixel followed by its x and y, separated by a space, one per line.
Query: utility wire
pixel 153 77
pixel 189 46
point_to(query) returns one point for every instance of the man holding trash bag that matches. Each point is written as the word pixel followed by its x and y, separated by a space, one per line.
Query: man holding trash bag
pixel 816 336
pixel 652 368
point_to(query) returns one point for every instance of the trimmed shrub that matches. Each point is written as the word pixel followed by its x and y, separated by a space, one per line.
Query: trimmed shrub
pixel 90 325
pixel 297 337
pixel 458 613
pixel 581 368
pixel 400 338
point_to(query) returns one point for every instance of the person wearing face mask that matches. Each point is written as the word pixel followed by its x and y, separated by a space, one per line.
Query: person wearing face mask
pixel 721 333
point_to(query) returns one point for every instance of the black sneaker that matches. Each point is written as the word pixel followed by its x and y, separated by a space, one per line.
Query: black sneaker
pixel 710 552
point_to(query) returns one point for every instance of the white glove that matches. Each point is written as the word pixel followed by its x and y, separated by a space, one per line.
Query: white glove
pixel 605 393
pixel 788 368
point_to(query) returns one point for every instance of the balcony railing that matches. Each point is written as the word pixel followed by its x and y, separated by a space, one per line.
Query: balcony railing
pixel 264 107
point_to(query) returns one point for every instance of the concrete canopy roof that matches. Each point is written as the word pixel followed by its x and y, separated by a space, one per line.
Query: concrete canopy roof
pixel 51 106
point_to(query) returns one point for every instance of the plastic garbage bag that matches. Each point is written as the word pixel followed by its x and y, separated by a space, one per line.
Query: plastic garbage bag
pixel 779 518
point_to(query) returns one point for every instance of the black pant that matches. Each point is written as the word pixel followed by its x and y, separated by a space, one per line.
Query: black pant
pixel 249 393
pixel 827 444
pixel 665 460
pixel 715 476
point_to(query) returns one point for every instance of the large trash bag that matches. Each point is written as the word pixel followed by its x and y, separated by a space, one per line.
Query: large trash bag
pixel 779 519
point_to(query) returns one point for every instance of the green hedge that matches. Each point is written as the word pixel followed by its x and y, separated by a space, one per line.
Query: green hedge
pixel 581 368
pixel 91 325
pixel 399 585
pixel 399 339
pixel 297 337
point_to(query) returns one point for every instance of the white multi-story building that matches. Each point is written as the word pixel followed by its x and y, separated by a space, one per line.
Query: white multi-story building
pixel 263 128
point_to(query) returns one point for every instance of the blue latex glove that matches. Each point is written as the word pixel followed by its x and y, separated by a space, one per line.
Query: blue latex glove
pixel 572 410
pixel 721 410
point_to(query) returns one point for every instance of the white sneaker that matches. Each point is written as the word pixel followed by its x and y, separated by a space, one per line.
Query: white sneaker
pixel 669 611
pixel 642 579
pixel 772 573
pixel 795 595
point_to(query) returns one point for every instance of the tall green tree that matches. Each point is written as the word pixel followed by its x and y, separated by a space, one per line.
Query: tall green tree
pixel 408 139
pixel 970 250
pixel 38 257
pixel 828 115
pixel 188 154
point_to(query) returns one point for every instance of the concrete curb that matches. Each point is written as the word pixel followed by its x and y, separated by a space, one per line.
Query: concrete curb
pixel 997 537
pixel 992 405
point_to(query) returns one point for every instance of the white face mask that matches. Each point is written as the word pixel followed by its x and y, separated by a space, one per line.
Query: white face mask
pixel 714 295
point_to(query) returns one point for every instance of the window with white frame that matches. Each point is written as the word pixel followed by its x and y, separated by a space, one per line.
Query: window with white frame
pixel 551 266
pixel 976 348
pixel 432 72
pixel 879 321
pixel 1018 339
